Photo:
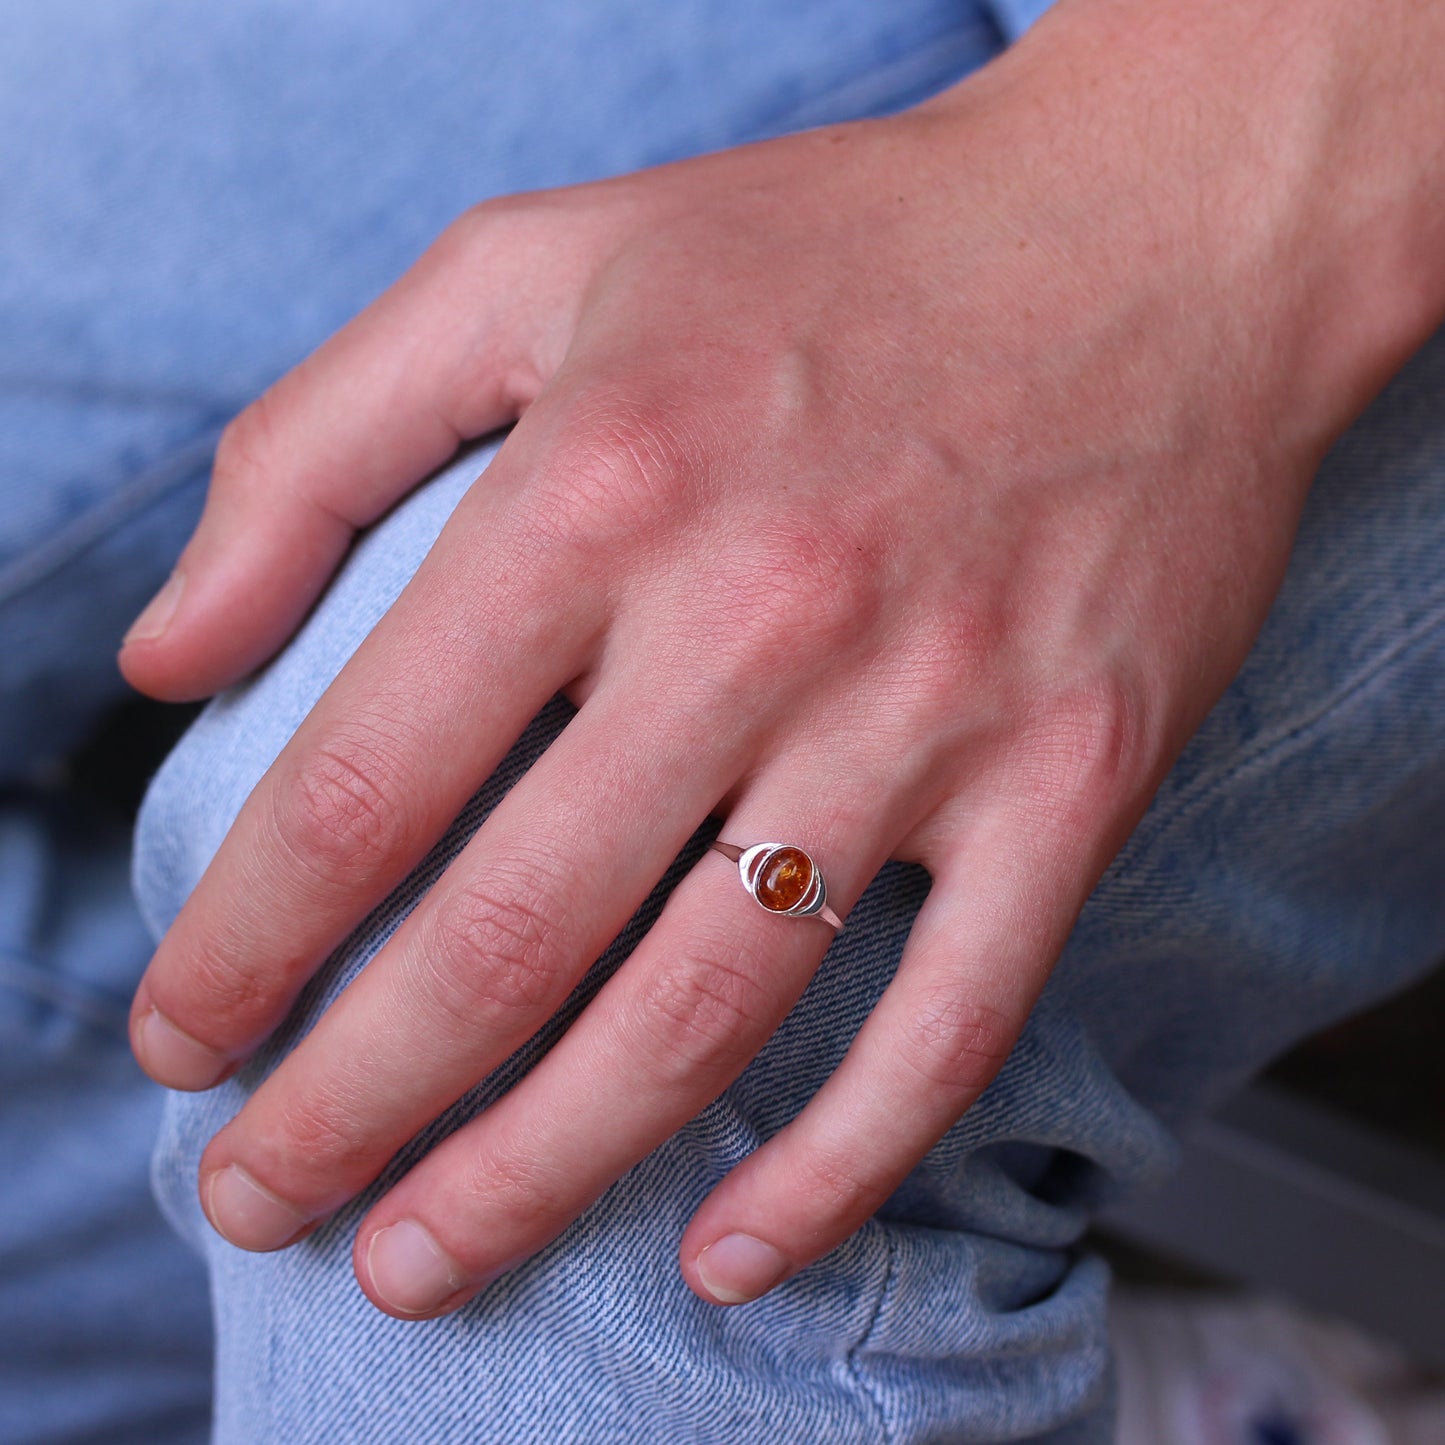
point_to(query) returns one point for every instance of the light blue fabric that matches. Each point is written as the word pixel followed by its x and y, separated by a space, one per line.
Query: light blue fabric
pixel 105 1331
pixel 1015 16
pixel 190 200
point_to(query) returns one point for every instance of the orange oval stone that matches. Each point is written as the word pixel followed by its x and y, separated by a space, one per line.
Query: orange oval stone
pixel 786 877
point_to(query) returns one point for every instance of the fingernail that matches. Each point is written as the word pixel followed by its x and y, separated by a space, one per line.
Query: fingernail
pixel 410 1270
pixel 739 1268
pixel 247 1215
pixel 158 613
pixel 173 1058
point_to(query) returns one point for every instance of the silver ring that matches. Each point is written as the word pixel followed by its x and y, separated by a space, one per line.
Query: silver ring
pixel 782 878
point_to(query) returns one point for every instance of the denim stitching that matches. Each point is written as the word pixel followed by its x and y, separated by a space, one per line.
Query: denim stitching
pixel 26 977
pixel 96 523
pixel 1264 749
pixel 859 1380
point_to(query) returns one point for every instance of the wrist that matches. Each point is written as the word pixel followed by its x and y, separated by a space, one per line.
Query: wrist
pixel 1281 165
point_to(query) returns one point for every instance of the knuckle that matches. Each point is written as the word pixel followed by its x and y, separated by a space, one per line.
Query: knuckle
pixel 702 1014
pixel 342 807
pixel 320 1134
pixel 801 587
pixel 492 953
pixel 613 478
pixel 954 1044
pixel 244 446
pixel 956 644
pixel 1087 752
pixel 932 666
pixel 514 1183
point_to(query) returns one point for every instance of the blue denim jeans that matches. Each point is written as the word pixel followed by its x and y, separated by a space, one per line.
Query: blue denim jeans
pixel 260 173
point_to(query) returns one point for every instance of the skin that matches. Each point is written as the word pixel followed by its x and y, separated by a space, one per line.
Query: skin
pixel 908 488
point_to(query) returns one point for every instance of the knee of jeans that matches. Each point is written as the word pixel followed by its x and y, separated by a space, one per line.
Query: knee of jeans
pixel 1239 915
pixel 966 1291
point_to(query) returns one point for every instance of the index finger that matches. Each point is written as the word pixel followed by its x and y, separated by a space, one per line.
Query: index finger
pixel 426 709
pixel 443 356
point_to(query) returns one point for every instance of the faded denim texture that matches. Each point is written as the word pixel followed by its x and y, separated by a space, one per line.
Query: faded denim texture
pixel 190 201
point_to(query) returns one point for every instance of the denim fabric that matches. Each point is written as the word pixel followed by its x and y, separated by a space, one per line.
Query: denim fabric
pixel 1287 874
pixel 104 1322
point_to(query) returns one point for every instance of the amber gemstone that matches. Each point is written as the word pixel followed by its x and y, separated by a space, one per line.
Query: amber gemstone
pixel 786 876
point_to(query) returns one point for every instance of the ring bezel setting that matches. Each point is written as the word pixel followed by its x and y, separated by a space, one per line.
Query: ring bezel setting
pixel 782 878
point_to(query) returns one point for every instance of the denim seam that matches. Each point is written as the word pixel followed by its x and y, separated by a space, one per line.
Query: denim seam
pixel 859 1380
pixel 1264 749
pixel 96 523
pixel 26 977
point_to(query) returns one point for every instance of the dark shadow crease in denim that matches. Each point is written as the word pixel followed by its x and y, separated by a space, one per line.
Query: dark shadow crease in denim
pixel 861 1383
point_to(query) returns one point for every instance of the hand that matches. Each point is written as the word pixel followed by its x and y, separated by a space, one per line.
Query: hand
pixel 905 489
